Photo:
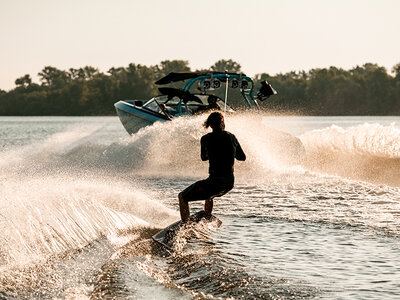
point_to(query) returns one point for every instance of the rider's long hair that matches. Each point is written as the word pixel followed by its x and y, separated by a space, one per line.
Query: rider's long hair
pixel 216 121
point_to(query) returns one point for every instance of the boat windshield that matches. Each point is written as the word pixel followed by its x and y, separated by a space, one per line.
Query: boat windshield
pixel 156 105
pixel 152 105
pixel 173 107
pixel 163 99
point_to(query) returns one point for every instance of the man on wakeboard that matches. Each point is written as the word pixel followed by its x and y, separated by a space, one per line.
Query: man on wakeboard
pixel 221 148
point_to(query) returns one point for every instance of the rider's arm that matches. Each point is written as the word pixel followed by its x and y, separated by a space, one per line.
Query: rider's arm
pixel 239 151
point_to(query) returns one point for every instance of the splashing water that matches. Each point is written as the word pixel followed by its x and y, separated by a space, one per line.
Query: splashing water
pixel 368 151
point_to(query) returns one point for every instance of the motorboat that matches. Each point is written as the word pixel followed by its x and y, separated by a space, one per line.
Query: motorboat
pixel 191 93
pixel 174 102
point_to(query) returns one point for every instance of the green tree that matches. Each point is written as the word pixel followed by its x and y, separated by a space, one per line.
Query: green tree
pixel 226 65
pixel 24 81
pixel 76 73
pixel 167 66
pixel 290 87
pixel 134 82
pixel 85 73
pixel 377 88
pixel 395 93
pixel 53 77
pixel 102 94
pixel 396 71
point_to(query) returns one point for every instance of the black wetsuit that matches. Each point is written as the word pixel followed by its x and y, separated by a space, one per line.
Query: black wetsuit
pixel 221 148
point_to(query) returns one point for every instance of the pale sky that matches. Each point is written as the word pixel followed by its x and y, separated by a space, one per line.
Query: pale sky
pixel 263 36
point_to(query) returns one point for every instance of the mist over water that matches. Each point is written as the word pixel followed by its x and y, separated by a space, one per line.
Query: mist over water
pixel 80 200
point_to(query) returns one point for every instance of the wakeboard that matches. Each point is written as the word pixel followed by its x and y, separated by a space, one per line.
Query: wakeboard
pixel 165 237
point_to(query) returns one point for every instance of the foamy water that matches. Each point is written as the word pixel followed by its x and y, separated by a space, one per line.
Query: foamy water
pixel 80 199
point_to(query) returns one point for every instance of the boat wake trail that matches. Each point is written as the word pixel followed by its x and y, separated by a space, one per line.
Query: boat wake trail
pixel 369 152
pixel 58 231
pixel 48 216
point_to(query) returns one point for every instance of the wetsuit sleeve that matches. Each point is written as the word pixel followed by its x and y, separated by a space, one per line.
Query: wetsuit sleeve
pixel 239 151
pixel 204 149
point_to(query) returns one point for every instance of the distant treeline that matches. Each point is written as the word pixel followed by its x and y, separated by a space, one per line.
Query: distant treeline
pixel 365 90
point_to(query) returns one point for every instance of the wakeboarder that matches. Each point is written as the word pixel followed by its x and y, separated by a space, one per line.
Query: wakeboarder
pixel 220 148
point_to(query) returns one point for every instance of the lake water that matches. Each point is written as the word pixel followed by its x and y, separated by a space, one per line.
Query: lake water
pixel 80 200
